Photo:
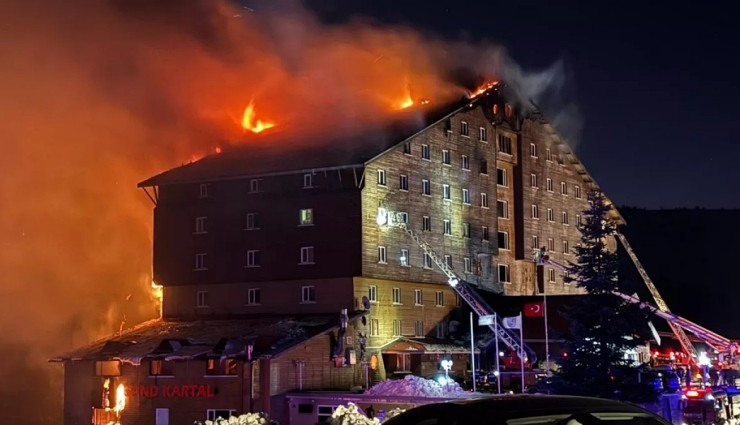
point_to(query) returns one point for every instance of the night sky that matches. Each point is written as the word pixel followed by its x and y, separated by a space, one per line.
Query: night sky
pixel 656 86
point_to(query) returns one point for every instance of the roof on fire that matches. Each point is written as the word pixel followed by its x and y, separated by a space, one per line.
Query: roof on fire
pixel 190 339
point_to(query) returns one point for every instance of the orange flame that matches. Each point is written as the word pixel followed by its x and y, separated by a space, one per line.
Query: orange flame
pixel 407 101
pixel 120 399
pixel 482 89
pixel 250 124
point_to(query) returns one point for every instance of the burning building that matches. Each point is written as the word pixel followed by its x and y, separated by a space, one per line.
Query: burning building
pixel 276 276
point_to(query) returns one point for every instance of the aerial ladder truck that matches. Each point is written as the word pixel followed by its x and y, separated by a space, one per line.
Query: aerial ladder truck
pixel 465 290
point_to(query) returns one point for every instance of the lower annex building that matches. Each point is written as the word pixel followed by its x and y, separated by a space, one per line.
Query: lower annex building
pixel 277 276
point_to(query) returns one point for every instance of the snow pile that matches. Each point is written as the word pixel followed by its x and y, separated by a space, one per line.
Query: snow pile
pixel 414 386
pixel 351 415
pixel 246 419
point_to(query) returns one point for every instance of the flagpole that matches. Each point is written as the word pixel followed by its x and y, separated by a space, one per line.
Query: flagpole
pixel 521 347
pixel 498 368
pixel 547 338
pixel 472 350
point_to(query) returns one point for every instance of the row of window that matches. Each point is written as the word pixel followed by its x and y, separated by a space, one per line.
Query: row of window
pixel 533 152
pixel 306 257
pixel 551 245
pixel 403 179
pixel 534 183
pixel 439 296
pixel 564 216
pixel 374 325
pixel 253 222
pixel 254 296
pixel 255 186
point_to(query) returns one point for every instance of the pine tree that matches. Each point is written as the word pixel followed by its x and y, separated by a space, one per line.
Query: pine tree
pixel 603 327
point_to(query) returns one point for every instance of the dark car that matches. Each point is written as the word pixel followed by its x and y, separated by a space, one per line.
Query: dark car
pixel 524 409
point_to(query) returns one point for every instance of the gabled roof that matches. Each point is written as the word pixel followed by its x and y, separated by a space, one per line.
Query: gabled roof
pixel 424 345
pixel 191 339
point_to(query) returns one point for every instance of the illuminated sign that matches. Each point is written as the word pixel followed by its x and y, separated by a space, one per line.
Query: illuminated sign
pixel 171 391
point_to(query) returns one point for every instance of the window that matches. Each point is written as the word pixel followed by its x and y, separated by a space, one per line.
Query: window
pixel 577 191
pixel 448 261
pixel 404 258
pixel 484 200
pixel 503 240
pixel 440 330
pixel 381 177
pixel 535 242
pixel 550 215
pixel 548 184
pixel 200 225
pixel 502 209
pixel 483 134
pixel 439 298
pixel 466 196
pixel 502 178
pixel 396 295
pixel 308 294
pixel 446 192
pixel 305 217
pixel 201 299
pixel 107 368
pixel 564 188
pixel 566 250
pixel 419 328
pixel 426 188
pixel 446 227
pixel 467 265
pixel 426 224
pixel 214 414
pixel 464 128
pixel 307 181
pixel 372 293
pixel 200 261
pixel 425 152
pixel 533 181
pixel 503 273
pixel 160 368
pixel 253 258
pixel 504 144
pixel 466 230
pixel 427 261
pixel 533 150
pixel 403 183
pixel 483 166
pixel 253 222
pixel 445 157
pixel 382 255
pixel 254 296
pixel 418 297
pixel 548 154
pixel 486 236
pixel 407 148
pixel 374 327
pixel 578 219
pixel 204 190
pixel 535 211
pixel 396 328
pixel 254 186
pixel 550 245
pixel 403 217
pixel 217 367
pixel 306 255
pixel 465 161
pixel 551 275
pixel 564 217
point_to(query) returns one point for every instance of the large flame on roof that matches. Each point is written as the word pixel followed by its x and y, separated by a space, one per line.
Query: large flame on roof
pixel 482 89
pixel 250 123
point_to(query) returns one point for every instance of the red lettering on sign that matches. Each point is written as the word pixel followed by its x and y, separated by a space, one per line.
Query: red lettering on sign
pixel 186 390
pixel 202 391
pixel 171 391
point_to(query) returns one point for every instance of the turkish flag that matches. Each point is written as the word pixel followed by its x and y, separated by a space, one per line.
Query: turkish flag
pixel 534 309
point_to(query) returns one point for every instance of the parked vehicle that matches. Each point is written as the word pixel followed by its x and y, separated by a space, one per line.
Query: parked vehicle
pixel 705 406
pixel 525 409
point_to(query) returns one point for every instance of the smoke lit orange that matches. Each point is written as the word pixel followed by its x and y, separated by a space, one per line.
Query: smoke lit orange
pixel 249 123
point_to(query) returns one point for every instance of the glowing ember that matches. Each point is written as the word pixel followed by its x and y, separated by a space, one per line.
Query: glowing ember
pixel 482 89
pixel 120 399
pixel 218 149
pixel 250 124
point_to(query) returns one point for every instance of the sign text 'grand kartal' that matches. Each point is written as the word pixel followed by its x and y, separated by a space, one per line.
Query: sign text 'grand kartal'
pixel 171 391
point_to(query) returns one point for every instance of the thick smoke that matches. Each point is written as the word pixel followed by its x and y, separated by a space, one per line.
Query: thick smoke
pixel 98 95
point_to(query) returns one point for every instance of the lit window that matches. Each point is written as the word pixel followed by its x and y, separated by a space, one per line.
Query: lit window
pixel 396 328
pixel 446 227
pixel 307 255
pixel 419 328
pixel 254 186
pixel 201 299
pixel 382 255
pixel 535 211
pixel 307 181
pixel 439 298
pixel 446 192
pixel 305 217
pixel 253 258
pixel 445 157
pixel 418 297
pixel 426 187
pixel 503 240
pixel 218 367
pixel 160 368
pixel 486 236
pixel 503 273
pixel 372 293
pixel 504 144
pixel 502 209
pixel 396 295
pixel 533 150
pixel 426 224
pixel 465 161
pixel 252 221
pixel 404 258
pixel 200 261
pixel 308 294
pixel 381 177
pixel 484 200
pixel 254 296
pixel 425 152
pixel 533 181
pixel 403 183
pixel 502 178
pixel 464 128
pixel 200 225
pixel 483 134
pixel 427 261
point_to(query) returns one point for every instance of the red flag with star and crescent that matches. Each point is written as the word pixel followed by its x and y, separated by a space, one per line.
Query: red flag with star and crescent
pixel 534 309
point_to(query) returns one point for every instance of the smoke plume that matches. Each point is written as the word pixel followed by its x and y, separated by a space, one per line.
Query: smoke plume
pixel 98 95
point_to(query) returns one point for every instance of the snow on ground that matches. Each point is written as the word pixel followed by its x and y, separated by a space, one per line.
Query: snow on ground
pixel 414 386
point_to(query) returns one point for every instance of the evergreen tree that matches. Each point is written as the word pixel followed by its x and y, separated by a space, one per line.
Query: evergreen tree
pixel 603 327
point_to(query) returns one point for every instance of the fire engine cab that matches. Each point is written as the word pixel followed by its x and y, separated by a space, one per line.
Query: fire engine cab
pixel 709 406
